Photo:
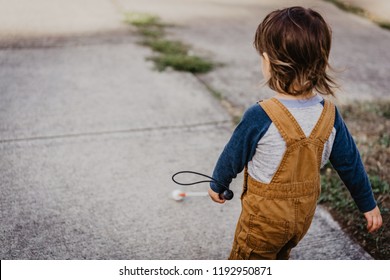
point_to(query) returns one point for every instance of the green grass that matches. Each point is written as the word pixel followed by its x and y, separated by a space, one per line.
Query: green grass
pixel 384 140
pixel 383 24
pixel 143 20
pixel 172 53
pixel 334 191
pixel 369 123
pixel 152 32
pixel 167 46
pixel 337 198
pixel 180 62
pixel 149 26
pixel 379 187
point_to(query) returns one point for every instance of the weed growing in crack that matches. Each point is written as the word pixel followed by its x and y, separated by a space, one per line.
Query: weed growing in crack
pixel 172 53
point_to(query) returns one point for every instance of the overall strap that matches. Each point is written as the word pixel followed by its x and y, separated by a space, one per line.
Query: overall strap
pixel 325 123
pixel 283 120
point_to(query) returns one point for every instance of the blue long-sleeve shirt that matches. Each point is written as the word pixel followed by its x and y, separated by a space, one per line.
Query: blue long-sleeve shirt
pixel 344 155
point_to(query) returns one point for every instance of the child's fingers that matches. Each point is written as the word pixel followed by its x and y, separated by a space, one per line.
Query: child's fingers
pixel 376 223
pixel 369 223
pixel 374 219
pixel 215 197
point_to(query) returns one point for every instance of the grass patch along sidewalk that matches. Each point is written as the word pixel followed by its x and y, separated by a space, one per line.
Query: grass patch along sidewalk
pixel 171 53
pixel 369 123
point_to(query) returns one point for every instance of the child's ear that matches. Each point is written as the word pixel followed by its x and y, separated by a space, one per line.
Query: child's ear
pixel 265 56
pixel 265 66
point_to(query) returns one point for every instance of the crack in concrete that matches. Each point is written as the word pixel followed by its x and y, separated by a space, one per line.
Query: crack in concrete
pixel 234 111
pixel 124 131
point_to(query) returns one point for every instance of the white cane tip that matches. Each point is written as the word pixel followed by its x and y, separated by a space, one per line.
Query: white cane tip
pixel 178 195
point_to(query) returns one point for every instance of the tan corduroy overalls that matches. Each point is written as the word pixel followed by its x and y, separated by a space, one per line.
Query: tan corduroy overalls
pixel 276 216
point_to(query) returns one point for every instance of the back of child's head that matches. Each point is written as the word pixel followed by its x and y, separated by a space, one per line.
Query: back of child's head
pixel 297 41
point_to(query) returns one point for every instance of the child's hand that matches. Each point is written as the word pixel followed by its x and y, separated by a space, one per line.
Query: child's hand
pixel 374 219
pixel 215 196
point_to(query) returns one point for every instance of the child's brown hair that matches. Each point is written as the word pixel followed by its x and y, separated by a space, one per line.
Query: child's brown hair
pixel 297 41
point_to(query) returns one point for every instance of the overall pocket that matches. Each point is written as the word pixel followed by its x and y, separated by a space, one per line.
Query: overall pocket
pixel 266 234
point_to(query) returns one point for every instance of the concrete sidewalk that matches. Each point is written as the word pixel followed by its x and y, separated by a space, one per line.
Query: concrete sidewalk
pixel 91 134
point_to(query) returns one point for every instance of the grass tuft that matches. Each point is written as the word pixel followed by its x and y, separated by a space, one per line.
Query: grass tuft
pixel 142 20
pixel 384 140
pixel 180 62
pixel 167 46
pixel 383 24
pixel 152 32
pixel 172 53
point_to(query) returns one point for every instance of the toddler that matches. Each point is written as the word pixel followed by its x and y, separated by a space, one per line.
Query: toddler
pixel 282 142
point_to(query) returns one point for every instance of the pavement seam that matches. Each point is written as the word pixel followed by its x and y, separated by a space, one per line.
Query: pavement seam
pixel 115 37
pixel 234 111
pixel 124 131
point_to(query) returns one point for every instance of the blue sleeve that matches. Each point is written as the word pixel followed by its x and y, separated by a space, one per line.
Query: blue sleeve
pixel 345 158
pixel 241 146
